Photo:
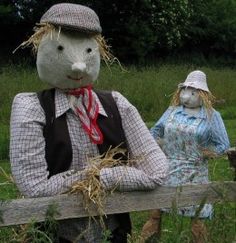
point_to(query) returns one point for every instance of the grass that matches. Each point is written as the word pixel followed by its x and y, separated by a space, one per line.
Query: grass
pixel 7 188
pixel 149 89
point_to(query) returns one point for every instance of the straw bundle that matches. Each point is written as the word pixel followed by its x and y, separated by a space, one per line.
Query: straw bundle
pixel 91 187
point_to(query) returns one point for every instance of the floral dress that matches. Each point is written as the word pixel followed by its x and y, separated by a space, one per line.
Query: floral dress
pixel 182 138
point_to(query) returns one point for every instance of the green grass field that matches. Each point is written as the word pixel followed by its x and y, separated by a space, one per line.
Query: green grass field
pixel 149 89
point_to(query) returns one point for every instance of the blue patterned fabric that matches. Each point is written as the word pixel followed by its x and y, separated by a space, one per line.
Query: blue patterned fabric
pixel 182 138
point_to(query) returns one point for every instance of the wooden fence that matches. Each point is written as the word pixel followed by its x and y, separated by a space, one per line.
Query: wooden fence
pixel 21 211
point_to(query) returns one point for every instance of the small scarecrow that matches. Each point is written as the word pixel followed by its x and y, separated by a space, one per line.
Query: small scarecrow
pixel 190 131
pixel 55 132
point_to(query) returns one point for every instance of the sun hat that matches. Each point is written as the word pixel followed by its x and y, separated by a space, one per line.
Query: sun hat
pixel 73 16
pixel 197 80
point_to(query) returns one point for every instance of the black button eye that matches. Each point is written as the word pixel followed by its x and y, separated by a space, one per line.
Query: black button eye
pixel 89 50
pixel 60 48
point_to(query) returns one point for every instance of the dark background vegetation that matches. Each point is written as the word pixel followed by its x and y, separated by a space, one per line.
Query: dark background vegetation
pixel 139 31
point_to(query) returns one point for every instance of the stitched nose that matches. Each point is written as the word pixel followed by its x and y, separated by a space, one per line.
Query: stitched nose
pixel 79 66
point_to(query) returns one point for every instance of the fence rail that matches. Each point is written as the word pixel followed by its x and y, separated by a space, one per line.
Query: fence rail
pixel 21 211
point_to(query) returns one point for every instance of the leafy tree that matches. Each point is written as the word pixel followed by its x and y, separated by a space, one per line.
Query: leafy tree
pixel 6 11
pixel 139 30
pixel 8 19
pixel 213 27
pixel 129 28
pixel 171 20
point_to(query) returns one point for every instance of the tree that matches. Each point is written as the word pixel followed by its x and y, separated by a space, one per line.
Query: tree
pixel 213 27
pixel 139 30
pixel 171 21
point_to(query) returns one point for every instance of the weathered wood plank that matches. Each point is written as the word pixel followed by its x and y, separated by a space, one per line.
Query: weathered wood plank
pixel 21 211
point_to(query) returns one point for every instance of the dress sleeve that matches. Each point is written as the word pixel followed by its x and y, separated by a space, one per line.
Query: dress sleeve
pixel 27 151
pixel 150 164
pixel 219 137
pixel 157 130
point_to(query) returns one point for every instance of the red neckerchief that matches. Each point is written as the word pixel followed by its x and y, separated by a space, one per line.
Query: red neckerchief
pixel 87 111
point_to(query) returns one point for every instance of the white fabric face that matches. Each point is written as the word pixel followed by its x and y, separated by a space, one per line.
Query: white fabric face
pixel 68 60
pixel 190 98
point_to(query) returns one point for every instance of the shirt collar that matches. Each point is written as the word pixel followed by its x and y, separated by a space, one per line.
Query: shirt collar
pixel 62 104
pixel 202 114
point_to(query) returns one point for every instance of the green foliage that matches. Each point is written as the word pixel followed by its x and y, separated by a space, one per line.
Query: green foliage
pixel 170 20
pixel 4 142
pixel 33 232
pixel 15 79
pixel 106 236
pixel 50 225
pixel 30 233
pixel 222 227
pixel 7 187
pixel 140 31
pixel 213 26
pixel 178 229
pixel 6 12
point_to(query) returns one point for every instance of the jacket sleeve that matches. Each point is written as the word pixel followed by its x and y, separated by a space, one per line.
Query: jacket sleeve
pixel 157 130
pixel 219 136
pixel 27 151
pixel 150 164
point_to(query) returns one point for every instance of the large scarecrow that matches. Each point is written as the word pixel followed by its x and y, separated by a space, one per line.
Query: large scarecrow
pixel 189 132
pixel 54 132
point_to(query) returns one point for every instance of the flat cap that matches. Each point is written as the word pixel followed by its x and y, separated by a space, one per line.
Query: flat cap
pixel 73 16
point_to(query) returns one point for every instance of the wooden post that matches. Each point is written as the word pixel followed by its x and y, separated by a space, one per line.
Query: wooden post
pixel 232 159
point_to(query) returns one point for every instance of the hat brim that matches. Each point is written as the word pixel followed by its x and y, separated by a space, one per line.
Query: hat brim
pixel 182 85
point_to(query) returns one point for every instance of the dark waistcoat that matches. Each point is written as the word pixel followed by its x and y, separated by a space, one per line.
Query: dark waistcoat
pixel 58 150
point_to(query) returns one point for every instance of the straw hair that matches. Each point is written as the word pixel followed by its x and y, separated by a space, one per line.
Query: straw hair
pixel 208 99
pixel 175 101
pixel 39 31
pixel 105 50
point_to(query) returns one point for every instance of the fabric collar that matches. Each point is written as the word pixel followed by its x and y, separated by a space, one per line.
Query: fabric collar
pixel 202 114
pixel 62 104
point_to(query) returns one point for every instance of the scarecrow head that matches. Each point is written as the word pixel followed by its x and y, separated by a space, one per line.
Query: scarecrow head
pixel 69 45
pixel 194 92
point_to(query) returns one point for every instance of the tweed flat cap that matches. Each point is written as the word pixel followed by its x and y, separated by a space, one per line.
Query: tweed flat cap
pixel 73 16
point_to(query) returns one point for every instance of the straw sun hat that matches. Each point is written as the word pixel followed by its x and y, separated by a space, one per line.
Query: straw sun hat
pixel 197 80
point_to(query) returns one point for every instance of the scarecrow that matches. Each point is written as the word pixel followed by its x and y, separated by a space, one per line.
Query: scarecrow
pixel 55 132
pixel 190 131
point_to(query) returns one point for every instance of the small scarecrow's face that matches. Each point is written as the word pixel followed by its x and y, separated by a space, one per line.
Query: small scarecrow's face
pixel 68 60
pixel 190 98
